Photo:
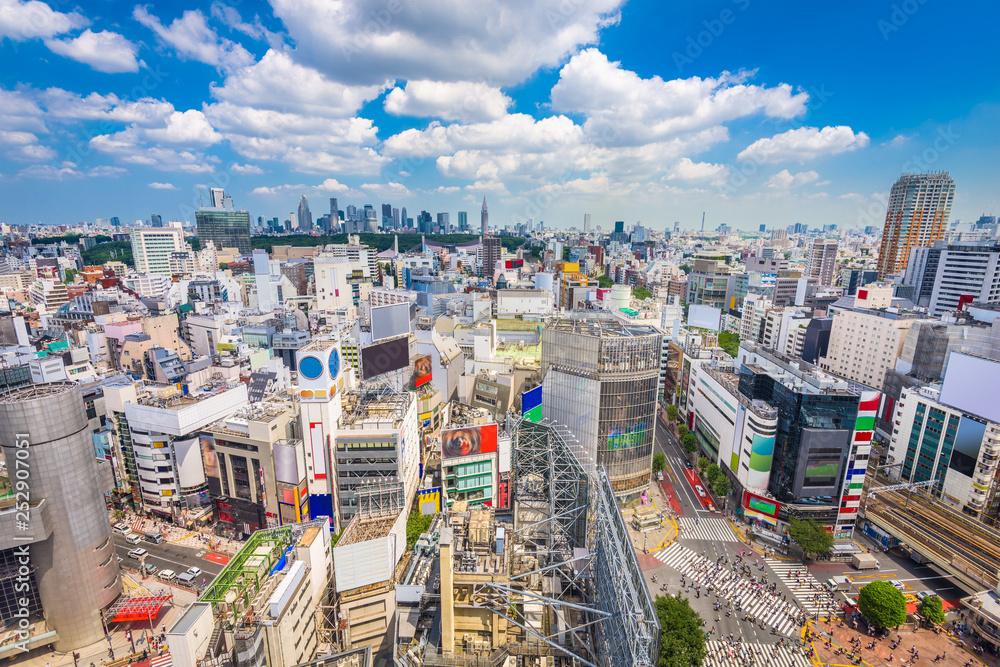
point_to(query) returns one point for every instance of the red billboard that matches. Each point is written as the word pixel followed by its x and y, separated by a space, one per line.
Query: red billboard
pixel 468 441
pixel 422 370
pixel 760 505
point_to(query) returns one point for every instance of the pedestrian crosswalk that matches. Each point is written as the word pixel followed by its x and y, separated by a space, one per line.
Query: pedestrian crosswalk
pixel 724 654
pixel 745 597
pixel 708 528
pixel 813 598
pixel 161 661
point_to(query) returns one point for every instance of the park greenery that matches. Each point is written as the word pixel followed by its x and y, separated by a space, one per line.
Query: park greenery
pixel 729 342
pixel 604 282
pixel 882 604
pixel 641 293
pixel 117 251
pixel 713 473
pixel 812 537
pixel 682 638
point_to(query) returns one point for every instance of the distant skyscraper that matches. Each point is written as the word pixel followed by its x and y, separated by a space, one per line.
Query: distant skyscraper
pixel 762 228
pixel 227 229
pixel 485 222
pixel 386 216
pixel 619 227
pixel 334 215
pixel 304 215
pixel 586 222
pixel 463 221
pixel 115 222
pixel 492 251
pixel 155 220
pixel 444 222
pixel 395 218
pixel 215 197
pixel 822 260
pixel 916 217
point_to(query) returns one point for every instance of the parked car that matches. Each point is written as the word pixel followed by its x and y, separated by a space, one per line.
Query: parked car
pixel 185 578
pixel 137 554
pixel 194 571
pixel 149 568
pixel 122 528
pixel 659 476
pixel 923 595
pixel 153 538
pixel 132 538
pixel 168 575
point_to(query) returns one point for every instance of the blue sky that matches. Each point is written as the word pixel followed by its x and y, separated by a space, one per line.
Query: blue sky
pixel 754 112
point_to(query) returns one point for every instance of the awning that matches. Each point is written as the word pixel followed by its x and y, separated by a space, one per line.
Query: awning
pixel 137 608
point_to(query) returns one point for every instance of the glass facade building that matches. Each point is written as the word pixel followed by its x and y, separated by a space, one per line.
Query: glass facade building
pixel 227 229
pixel 600 380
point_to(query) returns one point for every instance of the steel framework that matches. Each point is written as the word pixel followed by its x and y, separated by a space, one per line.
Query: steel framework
pixel 553 476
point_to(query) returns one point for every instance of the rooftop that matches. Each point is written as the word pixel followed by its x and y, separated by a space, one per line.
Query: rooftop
pixel 374 408
pixel 598 326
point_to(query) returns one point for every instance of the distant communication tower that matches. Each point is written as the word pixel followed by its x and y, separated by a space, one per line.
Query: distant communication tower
pixel 702 221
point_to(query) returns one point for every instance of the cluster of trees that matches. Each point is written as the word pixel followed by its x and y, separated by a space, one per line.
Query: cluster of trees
pixel 882 604
pixel 729 342
pixel 641 293
pixel 378 241
pixel 682 638
pixel 688 442
pixel 415 525
pixel 812 537
pixel 716 478
pixel 659 462
pixel 102 252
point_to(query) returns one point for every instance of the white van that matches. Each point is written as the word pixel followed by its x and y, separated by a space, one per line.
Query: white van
pixel 133 538
pixel 122 528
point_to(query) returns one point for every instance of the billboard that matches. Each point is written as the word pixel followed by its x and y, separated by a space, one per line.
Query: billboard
pixel 210 460
pixel 968 441
pixel 467 441
pixel 971 384
pixel 531 404
pixel 286 465
pixel 390 321
pixel 704 317
pixel 392 355
pixel 422 370
pixel 190 470
pixel 429 500
pixel 760 504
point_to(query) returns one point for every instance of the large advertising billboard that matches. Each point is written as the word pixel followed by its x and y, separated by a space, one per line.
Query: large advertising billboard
pixel 286 464
pixel 210 460
pixel 190 469
pixel 760 504
pixel 968 441
pixel 422 370
pixel 392 355
pixel 390 321
pixel 467 441
pixel 705 317
pixel 531 404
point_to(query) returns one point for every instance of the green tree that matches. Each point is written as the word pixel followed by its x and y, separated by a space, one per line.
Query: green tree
pixel 882 604
pixel 689 443
pixel 682 640
pixel 641 293
pixel 659 461
pixel 712 473
pixel 931 609
pixel 415 525
pixel 729 342
pixel 672 413
pixel 703 463
pixel 70 275
pixel 682 430
pixel 812 537
pixel 686 268
pixel 722 486
pixel 604 282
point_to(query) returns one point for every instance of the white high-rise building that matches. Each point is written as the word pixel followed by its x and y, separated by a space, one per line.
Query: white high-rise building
pixel 822 260
pixel 152 248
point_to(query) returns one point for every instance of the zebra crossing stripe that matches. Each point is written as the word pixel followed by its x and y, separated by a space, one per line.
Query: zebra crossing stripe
pixel 709 528
pixel 791 573
pixel 724 654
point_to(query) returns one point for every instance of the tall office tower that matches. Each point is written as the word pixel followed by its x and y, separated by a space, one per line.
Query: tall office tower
pixel 73 574
pixel 386 216
pixel 485 219
pixel 424 223
pixel 216 197
pixel 227 229
pixel 370 222
pixel 463 221
pixel 402 218
pixel 586 222
pixel 916 217
pixel 304 215
pixel 395 218
pixel 115 222
pixel 152 247
pixel 822 260
pixel 677 227
pixel 444 222
pixel 155 220
pixel 619 227
pixel 334 216
pixel 762 228
pixel 600 381
pixel 492 250
pixel 944 276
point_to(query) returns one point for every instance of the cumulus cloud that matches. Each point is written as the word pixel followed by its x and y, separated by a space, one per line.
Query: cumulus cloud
pixel 20 21
pixel 162 186
pixel 105 51
pixel 369 41
pixel 189 128
pixel 785 179
pixel 245 169
pixel 697 172
pixel 192 39
pixel 804 143
pixel 327 186
pixel 69 171
pixel 464 101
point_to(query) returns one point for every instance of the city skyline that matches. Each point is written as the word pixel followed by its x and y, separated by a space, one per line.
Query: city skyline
pixel 624 110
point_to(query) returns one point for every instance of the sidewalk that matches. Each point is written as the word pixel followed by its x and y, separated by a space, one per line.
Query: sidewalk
pixel 656 538
pixel 202 539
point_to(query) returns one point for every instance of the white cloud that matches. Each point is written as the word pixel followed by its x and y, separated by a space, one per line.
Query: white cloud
pixel 230 16
pixel 144 112
pixel 804 143
pixel 24 146
pixel 386 190
pixel 21 21
pixel 328 185
pixel 517 132
pixel 69 170
pixel 697 172
pixel 785 179
pixel 897 140
pixel 189 128
pixel 129 147
pixel 192 39
pixel 162 186
pixel 369 41
pixel 465 101
pixel 105 51
pixel 624 109
pixel 245 168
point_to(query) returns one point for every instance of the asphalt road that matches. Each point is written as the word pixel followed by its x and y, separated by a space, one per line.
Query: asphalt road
pixel 167 556
pixel 664 441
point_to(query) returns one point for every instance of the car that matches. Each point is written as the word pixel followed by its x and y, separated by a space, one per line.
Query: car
pixel 153 538
pixel 185 578
pixel 168 575
pixel 194 571
pixel 122 528
pixel 711 507
pixel 659 476
pixel 700 491
pixel 137 554
pixel 149 568
pixel 923 595
pixel 898 584
pixel 687 464
pixel 132 538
